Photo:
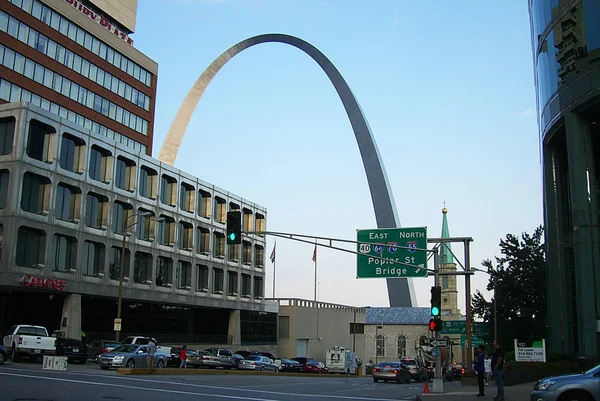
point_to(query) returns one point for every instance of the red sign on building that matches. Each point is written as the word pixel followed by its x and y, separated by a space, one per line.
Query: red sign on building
pixel 41 282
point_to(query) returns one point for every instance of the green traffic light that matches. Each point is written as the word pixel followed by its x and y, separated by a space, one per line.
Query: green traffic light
pixel 232 237
pixel 435 311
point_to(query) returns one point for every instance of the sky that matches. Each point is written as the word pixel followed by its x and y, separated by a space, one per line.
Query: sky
pixel 447 89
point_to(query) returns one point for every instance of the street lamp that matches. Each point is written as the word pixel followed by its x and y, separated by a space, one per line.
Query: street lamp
pixel 495 299
pixel 122 268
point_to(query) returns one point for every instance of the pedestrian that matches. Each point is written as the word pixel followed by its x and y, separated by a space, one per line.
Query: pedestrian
pixel 480 369
pixel 183 357
pixel 151 352
pixel 488 369
pixel 498 370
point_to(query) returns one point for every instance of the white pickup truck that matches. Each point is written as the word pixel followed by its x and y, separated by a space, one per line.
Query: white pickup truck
pixel 32 341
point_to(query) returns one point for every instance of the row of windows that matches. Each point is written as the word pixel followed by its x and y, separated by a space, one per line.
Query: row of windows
pixel 83 38
pixel 93 262
pixel 41 145
pixel 14 93
pixel 75 62
pixel 400 350
pixel 70 89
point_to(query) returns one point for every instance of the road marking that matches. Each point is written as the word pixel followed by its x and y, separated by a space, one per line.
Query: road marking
pixel 320 396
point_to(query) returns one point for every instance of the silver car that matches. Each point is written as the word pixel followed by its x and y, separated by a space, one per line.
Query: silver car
pixel 579 387
pixel 130 356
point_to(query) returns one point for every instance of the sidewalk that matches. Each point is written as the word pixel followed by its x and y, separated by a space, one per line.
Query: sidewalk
pixel 519 392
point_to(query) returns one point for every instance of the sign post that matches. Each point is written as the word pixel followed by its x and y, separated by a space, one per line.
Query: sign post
pixel 404 252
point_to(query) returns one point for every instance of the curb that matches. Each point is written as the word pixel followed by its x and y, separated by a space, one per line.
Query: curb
pixel 200 372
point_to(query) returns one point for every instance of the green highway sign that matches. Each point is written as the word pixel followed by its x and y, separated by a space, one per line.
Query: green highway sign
pixel 475 341
pixel 395 246
pixel 460 327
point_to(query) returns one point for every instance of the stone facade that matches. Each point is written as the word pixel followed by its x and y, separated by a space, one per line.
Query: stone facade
pixel 391 334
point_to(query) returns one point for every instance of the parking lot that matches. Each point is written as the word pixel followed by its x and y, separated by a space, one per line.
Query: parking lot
pixel 26 380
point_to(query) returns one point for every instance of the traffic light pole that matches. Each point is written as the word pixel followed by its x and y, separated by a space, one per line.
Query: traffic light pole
pixel 438 381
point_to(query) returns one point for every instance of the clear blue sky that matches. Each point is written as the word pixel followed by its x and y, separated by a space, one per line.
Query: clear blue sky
pixel 447 88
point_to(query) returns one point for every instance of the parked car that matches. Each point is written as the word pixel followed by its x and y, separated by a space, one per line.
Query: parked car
pixel 73 349
pixel 27 340
pixel 97 347
pixel 418 371
pixel 578 387
pixel 391 371
pixel 302 359
pixel 288 365
pixel 202 359
pixel 258 362
pixel 314 367
pixel 237 359
pixel 457 370
pixel 139 340
pixel 130 356
pixel 3 354
pixel 224 355
pixel 248 353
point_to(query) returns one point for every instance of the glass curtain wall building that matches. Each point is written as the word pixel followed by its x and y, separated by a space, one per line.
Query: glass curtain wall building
pixel 565 38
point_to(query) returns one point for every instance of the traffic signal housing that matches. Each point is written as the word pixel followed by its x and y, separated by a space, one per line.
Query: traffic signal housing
pixel 435 324
pixel 234 227
pixel 436 301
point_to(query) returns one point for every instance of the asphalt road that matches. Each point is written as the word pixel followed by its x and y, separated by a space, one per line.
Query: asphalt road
pixel 27 382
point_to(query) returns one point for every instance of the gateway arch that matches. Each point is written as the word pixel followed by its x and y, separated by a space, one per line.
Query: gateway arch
pixel 400 290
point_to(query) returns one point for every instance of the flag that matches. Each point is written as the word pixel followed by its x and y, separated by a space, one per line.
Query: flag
pixel 315 254
pixel 272 257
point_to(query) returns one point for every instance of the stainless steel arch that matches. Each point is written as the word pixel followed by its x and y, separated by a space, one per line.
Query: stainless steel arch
pixel 400 290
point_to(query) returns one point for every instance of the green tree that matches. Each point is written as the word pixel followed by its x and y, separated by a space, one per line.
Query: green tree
pixel 519 280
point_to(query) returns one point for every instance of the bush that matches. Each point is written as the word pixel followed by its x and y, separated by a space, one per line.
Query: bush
pixel 564 365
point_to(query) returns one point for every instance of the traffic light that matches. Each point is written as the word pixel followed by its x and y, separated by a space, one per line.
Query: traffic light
pixel 435 324
pixel 234 227
pixel 436 301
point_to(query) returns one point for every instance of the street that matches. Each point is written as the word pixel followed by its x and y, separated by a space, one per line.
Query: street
pixel 27 381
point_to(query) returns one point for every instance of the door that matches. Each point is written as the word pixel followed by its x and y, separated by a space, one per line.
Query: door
pixel 301 347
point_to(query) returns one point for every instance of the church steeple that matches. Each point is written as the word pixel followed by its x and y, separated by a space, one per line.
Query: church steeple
pixel 446 254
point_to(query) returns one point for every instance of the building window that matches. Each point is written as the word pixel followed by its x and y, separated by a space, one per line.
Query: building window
pixel 96 210
pixel 202 278
pixel 34 196
pixel 204 202
pixel 148 182
pixel 232 283
pixel 258 287
pixel 168 190
pixel 246 286
pixel 164 272
pixel 284 327
pixel 445 282
pixel 219 245
pixel 203 240
pixel 246 253
pixel 259 256
pixel 71 153
pixel 234 207
pixel 220 210
pixel 218 277
pixel 41 142
pixel 186 236
pixel 7 133
pixel 247 220
pixel 121 213
pixel 380 343
pixel 166 231
pixel 357 328
pixel 114 267
pixel 31 247
pixel 401 346
pixel 184 275
pixel 93 259
pixel 186 198
pixel 65 253
pixel 145 225
pixel 100 161
pixel 260 223
pixel 4 179
pixel 125 175
pixel 233 253
pixel 142 268
pixel 1 239
pixel 67 202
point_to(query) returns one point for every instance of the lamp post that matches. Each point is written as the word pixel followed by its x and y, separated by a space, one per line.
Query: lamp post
pixel 122 268
pixel 495 300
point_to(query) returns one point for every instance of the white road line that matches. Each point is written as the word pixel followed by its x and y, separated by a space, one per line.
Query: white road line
pixel 204 386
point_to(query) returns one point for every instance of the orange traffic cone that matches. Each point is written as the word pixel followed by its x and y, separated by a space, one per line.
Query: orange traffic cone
pixel 426 389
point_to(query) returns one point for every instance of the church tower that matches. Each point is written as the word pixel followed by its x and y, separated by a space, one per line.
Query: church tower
pixel 450 309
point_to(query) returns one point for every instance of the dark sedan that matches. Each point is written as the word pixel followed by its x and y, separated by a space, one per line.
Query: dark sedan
pixel 72 348
pixel 287 365
pixel 391 371
pixel 3 354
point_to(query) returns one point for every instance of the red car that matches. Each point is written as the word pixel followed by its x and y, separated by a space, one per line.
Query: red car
pixel 314 367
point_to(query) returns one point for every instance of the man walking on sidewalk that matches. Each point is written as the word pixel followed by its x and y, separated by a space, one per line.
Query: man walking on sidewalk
pixel 498 370
pixel 480 369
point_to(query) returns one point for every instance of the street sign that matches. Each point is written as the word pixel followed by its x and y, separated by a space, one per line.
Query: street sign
pixel 117 325
pixel 395 246
pixel 460 327
pixel 475 341
pixel 436 352
pixel 439 343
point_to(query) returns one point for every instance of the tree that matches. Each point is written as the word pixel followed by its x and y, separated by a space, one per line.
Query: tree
pixel 519 279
